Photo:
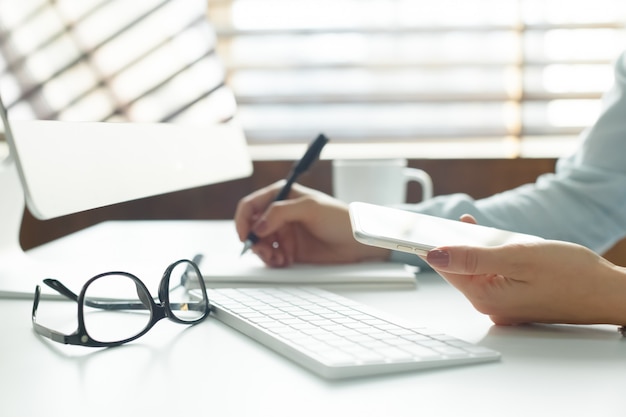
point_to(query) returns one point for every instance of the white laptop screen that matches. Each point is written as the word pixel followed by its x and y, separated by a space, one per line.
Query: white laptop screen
pixel 67 167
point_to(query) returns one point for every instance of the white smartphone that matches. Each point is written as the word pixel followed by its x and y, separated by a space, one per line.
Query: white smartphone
pixel 416 233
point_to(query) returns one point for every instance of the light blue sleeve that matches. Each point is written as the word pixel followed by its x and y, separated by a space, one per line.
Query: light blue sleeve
pixel 583 201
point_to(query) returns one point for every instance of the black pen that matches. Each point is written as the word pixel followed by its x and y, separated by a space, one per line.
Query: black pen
pixel 312 153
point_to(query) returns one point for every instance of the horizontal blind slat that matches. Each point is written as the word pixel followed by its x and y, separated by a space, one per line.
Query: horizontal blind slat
pixel 231 32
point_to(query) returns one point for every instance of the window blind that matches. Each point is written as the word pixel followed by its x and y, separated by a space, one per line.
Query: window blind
pixel 517 75
pixel 462 77
pixel 111 60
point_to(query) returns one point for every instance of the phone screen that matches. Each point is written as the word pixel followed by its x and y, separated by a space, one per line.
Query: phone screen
pixel 418 233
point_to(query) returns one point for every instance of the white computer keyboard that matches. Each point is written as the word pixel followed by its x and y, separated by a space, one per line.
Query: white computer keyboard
pixel 336 337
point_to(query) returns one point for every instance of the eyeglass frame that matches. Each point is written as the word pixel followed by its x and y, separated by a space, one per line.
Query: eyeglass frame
pixel 157 311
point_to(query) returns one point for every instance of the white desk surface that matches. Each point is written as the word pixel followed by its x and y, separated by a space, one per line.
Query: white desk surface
pixel 211 369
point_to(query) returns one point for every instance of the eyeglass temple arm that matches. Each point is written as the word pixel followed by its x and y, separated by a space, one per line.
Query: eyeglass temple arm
pixel 115 304
pixel 60 288
pixel 42 330
pixel 96 303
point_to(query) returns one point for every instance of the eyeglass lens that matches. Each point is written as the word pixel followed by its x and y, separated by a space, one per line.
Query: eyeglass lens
pixel 115 308
pixel 182 306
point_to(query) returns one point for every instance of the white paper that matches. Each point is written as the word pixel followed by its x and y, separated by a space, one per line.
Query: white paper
pixel 249 269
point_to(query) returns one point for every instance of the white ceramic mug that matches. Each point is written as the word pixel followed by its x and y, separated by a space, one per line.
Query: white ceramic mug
pixel 377 181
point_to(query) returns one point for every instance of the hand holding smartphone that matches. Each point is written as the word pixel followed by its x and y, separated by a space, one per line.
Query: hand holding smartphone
pixel 417 233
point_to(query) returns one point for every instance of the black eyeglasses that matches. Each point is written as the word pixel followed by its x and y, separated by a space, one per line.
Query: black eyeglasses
pixel 116 307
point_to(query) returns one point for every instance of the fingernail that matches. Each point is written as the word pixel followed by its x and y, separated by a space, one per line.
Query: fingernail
pixel 440 258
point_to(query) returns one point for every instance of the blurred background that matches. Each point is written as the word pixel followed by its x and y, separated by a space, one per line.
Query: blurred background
pixel 521 76
pixel 456 86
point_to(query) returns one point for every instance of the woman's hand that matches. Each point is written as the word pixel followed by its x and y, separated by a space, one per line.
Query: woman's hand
pixel 307 227
pixel 547 281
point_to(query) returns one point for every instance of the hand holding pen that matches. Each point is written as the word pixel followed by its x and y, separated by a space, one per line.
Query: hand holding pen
pixel 299 168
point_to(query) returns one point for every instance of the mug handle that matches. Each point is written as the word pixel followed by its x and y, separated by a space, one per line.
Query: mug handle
pixel 422 177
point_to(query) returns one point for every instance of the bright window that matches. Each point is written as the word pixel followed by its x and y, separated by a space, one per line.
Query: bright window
pixel 502 74
pixel 462 78
pixel 111 60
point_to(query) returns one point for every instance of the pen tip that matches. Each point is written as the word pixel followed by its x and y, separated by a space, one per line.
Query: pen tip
pixel 247 245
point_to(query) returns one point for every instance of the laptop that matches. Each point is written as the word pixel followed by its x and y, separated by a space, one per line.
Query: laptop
pixel 59 168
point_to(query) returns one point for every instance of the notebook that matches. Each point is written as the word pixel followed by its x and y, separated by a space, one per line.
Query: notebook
pixel 248 270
